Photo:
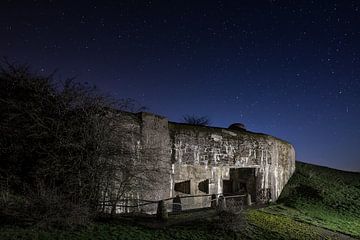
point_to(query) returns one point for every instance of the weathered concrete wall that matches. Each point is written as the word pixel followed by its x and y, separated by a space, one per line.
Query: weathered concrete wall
pixel 201 153
pixel 155 141
pixel 184 152
pixel 144 142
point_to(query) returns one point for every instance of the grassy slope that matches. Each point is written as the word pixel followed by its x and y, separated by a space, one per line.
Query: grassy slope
pixel 314 197
pixel 322 196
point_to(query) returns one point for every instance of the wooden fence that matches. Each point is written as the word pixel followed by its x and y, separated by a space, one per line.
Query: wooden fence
pixel 175 203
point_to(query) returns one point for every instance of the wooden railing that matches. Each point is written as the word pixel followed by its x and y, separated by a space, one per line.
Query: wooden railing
pixel 217 200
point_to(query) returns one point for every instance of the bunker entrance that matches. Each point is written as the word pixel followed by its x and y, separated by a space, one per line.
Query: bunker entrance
pixel 242 181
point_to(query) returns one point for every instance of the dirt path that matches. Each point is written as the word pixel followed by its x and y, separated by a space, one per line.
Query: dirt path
pixel 335 235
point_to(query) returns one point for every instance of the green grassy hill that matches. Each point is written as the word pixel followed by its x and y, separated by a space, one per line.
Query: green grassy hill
pixel 317 203
pixel 323 187
pixel 323 197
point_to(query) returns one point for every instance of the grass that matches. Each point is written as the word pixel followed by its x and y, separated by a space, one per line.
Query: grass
pixel 323 197
pixel 260 225
pixel 315 200
pixel 268 226
pixel 116 232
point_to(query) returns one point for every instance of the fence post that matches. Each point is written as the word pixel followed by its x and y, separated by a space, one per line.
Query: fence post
pixel 177 207
pixel 161 213
pixel 213 201
pixel 222 203
pixel 248 199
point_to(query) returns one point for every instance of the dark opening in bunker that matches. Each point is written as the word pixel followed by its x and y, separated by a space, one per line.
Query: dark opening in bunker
pixel 204 186
pixel 227 186
pixel 242 181
pixel 183 187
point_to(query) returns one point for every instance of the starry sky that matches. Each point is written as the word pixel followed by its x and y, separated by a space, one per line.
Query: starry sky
pixel 287 68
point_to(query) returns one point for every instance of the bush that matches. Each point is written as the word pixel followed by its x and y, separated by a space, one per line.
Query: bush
pixel 54 145
pixel 231 216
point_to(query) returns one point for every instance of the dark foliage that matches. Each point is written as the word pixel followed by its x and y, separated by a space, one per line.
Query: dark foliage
pixel 231 217
pixel 54 139
pixel 308 192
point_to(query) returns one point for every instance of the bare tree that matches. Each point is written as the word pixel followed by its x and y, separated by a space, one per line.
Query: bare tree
pixel 130 105
pixel 53 140
pixel 63 148
pixel 196 120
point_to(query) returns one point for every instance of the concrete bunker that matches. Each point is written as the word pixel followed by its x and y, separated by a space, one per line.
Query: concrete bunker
pixel 228 161
pixel 200 160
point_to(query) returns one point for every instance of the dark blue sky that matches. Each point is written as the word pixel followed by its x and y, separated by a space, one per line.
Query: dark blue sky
pixel 286 68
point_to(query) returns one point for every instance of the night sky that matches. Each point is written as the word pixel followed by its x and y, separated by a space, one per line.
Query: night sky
pixel 287 68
